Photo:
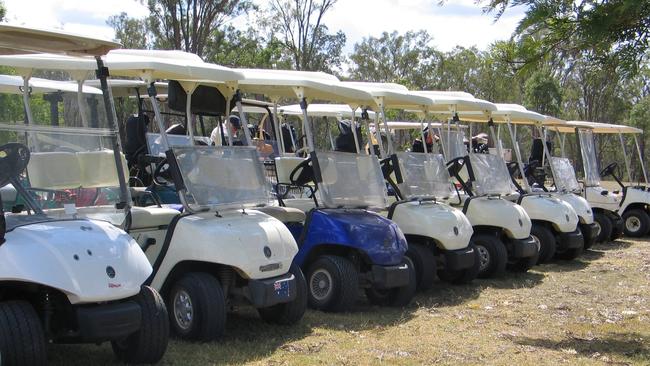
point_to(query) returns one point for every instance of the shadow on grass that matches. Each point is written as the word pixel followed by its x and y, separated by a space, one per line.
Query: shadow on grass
pixel 568 265
pixel 617 244
pixel 629 345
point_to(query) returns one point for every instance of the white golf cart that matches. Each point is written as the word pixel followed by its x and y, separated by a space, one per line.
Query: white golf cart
pixel 68 271
pixel 220 251
pixel 606 205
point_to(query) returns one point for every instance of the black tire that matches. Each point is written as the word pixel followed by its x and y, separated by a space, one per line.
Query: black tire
pixel 636 223
pixel 341 279
pixel 570 254
pixel 206 302
pixel 22 340
pixel 396 297
pixel 589 240
pixel 523 264
pixel 147 345
pixel 545 239
pixel 290 312
pixel 424 264
pixel 493 255
pixel 605 225
pixel 463 276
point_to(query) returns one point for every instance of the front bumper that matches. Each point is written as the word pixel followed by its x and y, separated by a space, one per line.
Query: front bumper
pixel 570 240
pixel 384 277
pixel 521 248
pixel 459 259
pixel 589 233
pixel 112 321
pixel 272 291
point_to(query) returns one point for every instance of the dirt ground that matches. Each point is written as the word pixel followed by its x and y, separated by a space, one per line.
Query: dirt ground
pixel 592 311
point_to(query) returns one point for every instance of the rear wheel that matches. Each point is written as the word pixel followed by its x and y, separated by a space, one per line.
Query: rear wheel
pixel 463 276
pixel 333 283
pixel 198 307
pixel 424 265
pixel 289 312
pixel 149 343
pixel 545 241
pixel 493 255
pixel 22 340
pixel 636 222
pixel 603 227
pixel 397 297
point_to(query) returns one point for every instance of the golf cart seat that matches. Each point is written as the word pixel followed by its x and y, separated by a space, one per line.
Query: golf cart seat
pixel 151 217
pixel 55 170
pixel 284 166
pixel 284 214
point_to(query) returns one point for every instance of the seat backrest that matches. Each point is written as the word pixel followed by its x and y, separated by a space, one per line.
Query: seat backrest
pixel 98 169
pixel 54 170
pixel 285 165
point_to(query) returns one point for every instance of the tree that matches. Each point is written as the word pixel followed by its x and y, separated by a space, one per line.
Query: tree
pixel 543 94
pixel 235 48
pixel 130 32
pixel 3 11
pixel 305 38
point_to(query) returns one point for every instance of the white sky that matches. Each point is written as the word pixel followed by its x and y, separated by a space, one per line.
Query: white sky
pixel 458 22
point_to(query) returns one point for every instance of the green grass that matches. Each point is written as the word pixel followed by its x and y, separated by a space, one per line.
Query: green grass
pixel 593 311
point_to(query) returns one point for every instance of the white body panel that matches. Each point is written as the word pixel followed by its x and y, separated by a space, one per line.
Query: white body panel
pixel 632 196
pixel 236 239
pixel 596 199
pixel 551 209
pixel 436 221
pixel 498 212
pixel 44 253
pixel 580 206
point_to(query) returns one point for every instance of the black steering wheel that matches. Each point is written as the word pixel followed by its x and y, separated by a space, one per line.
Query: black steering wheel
pixel 162 175
pixel 14 158
pixel 609 170
pixel 304 171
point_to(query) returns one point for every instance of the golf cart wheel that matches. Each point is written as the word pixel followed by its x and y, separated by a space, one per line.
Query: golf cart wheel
pixel 149 343
pixel 22 340
pixel 463 276
pixel 289 312
pixel 397 297
pixel 545 241
pixel 333 283
pixel 604 227
pixel 493 255
pixel 197 307
pixel 636 223
pixel 570 254
pixel 424 264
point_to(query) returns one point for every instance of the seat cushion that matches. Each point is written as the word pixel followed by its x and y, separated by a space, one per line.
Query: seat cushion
pixel 151 217
pixel 284 214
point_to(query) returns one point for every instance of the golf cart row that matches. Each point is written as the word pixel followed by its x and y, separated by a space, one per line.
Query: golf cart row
pixel 176 229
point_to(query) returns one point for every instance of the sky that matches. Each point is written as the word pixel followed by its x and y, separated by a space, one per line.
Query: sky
pixel 457 22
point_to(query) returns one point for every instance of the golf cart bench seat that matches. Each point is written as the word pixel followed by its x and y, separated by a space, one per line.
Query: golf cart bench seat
pixel 284 166
pixel 68 170
pixel 151 217
pixel 284 214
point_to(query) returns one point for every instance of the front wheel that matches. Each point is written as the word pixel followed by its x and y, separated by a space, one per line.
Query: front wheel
pixel 289 312
pixel 493 255
pixel 636 223
pixel 603 227
pixel 149 343
pixel 463 276
pixel 545 241
pixel 333 283
pixel 424 263
pixel 22 340
pixel 397 297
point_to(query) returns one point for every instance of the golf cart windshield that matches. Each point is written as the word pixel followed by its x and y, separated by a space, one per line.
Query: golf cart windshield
pixel 490 175
pixel 588 151
pixel 351 180
pixel 71 173
pixel 424 175
pixel 565 175
pixel 454 144
pixel 155 145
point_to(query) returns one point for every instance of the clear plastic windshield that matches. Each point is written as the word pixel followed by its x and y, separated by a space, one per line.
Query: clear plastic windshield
pixel 71 173
pixel 424 175
pixel 588 151
pixel 453 142
pixel 222 177
pixel 565 175
pixel 351 180
pixel 155 144
pixel 490 174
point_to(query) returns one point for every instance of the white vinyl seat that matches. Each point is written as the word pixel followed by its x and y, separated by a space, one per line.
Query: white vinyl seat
pixel 284 166
pixel 151 217
pixel 54 170
pixel 284 214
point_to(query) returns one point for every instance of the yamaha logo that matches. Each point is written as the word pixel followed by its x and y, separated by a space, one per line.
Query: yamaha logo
pixel 110 272
pixel 267 252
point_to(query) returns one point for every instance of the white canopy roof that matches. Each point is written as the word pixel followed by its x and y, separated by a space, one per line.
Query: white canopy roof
pixel 391 95
pixel 48 61
pixel 18 39
pixel 324 110
pixel 410 125
pixel 126 88
pixel 277 84
pixel 464 103
pixel 12 84
pixel 597 127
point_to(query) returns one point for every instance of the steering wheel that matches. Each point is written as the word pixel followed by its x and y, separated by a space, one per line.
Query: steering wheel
pixel 513 168
pixel 304 171
pixel 161 175
pixel 609 170
pixel 14 158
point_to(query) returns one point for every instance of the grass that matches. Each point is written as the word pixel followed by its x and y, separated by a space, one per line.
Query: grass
pixel 592 311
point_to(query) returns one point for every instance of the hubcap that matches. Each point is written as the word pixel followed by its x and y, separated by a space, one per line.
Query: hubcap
pixel 632 224
pixel 183 309
pixel 320 284
pixel 484 255
pixel 538 243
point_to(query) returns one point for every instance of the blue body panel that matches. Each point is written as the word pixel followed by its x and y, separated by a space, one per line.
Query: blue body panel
pixel 379 239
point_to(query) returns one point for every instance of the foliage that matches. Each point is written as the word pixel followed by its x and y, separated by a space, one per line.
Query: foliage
pixel 543 94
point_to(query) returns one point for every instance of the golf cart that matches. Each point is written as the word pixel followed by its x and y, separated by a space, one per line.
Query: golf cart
pixel 220 251
pixel 606 205
pixel 69 272
pixel 343 245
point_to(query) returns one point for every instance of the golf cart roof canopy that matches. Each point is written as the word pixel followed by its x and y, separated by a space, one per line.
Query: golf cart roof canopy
pixel 126 88
pixel 410 125
pixel 462 102
pixel 13 84
pixel 49 61
pixel 276 84
pixel 597 127
pixel 324 110
pixel 390 95
pixel 18 39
